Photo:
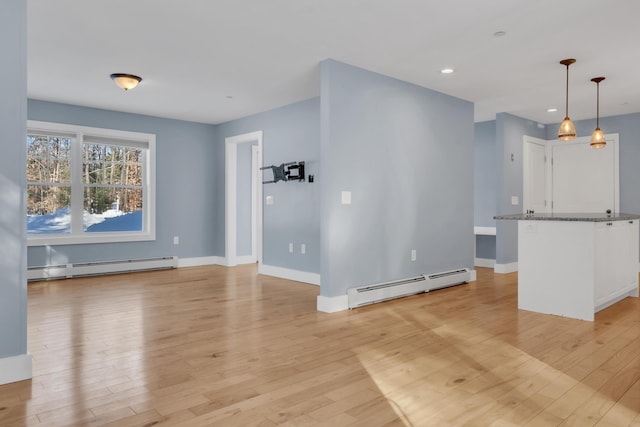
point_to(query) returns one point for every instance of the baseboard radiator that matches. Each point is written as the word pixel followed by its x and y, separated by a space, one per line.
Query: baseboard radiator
pixel 95 268
pixel 371 294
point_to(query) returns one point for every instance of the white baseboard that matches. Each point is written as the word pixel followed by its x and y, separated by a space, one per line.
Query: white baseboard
pixel 246 259
pixel 506 268
pixel 198 261
pixel 332 304
pixel 484 262
pixel 285 273
pixel 15 368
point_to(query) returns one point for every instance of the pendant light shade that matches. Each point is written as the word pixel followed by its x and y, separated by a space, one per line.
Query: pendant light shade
pixel 125 81
pixel 567 130
pixel 597 138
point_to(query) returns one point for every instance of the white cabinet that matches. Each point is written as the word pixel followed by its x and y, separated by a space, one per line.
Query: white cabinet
pixel 576 268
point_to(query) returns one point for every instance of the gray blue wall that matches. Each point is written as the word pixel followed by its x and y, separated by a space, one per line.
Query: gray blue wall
pixel 484 186
pixel 187 201
pixel 290 133
pixel 484 181
pixel 13 114
pixel 509 132
pixel 486 247
pixel 406 155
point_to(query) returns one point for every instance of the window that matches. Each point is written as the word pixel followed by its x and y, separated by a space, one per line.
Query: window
pixel 89 185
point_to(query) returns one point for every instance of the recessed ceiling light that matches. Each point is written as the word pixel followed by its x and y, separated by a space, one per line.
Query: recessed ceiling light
pixel 447 70
pixel 551 110
pixel 499 33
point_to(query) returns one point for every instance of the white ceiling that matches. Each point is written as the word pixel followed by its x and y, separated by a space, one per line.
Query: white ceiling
pixel 215 60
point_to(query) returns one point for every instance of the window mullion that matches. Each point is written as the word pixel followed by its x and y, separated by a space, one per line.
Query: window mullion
pixel 77 190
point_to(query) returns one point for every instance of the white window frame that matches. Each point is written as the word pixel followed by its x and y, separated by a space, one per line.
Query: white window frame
pixel 77 235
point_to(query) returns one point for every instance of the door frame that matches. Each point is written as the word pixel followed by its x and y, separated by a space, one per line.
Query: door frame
pixel 231 197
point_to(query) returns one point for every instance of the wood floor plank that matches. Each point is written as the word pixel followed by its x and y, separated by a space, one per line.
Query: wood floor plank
pixel 624 410
pixel 212 345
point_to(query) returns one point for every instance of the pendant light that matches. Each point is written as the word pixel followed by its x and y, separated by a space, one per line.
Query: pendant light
pixel 597 138
pixel 567 130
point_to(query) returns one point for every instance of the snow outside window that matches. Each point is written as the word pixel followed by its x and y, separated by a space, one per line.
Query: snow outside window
pixel 89 185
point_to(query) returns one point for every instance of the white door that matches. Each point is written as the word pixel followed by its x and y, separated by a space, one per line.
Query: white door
pixel 535 175
pixel 584 179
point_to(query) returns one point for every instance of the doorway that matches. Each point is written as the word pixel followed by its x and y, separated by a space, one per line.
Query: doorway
pixel 232 144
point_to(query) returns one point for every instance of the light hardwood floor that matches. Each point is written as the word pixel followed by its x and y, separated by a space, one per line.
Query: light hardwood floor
pixel 211 346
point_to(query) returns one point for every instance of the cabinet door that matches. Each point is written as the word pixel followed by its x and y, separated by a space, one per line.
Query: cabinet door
pixel 616 263
pixel 627 238
pixel 605 262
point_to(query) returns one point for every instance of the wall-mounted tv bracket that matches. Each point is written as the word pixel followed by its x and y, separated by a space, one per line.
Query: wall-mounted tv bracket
pixel 292 171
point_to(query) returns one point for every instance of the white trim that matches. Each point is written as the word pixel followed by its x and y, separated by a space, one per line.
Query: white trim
pixel 484 262
pixel 245 259
pixel 255 200
pixel 332 304
pixel 473 276
pixel 285 273
pixel 506 268
pixel 484 231
pixel 15 368
pixel 230 199
pixel 198 261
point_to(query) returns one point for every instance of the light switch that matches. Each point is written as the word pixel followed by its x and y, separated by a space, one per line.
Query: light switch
pixel 269 200
pixel 514 200
pixel 413 255
pixel 290 248
pixel 303 248
pixel 346 197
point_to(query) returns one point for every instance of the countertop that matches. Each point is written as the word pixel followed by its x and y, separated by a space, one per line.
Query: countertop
pixel 585 217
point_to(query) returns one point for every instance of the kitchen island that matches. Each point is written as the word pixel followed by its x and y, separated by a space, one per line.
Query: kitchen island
pixel 575 265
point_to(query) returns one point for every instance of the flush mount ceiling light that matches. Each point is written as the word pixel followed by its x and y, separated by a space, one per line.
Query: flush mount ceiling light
pixel 447 70
pixel 597 138
pixel 125 81
pixel 567 130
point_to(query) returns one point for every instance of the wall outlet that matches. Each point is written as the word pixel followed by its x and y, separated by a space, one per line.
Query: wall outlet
pixel 176 240
pixel 269 200
pixel 514 200
pixel 303 248
pixel 413 255
pixel 290 248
